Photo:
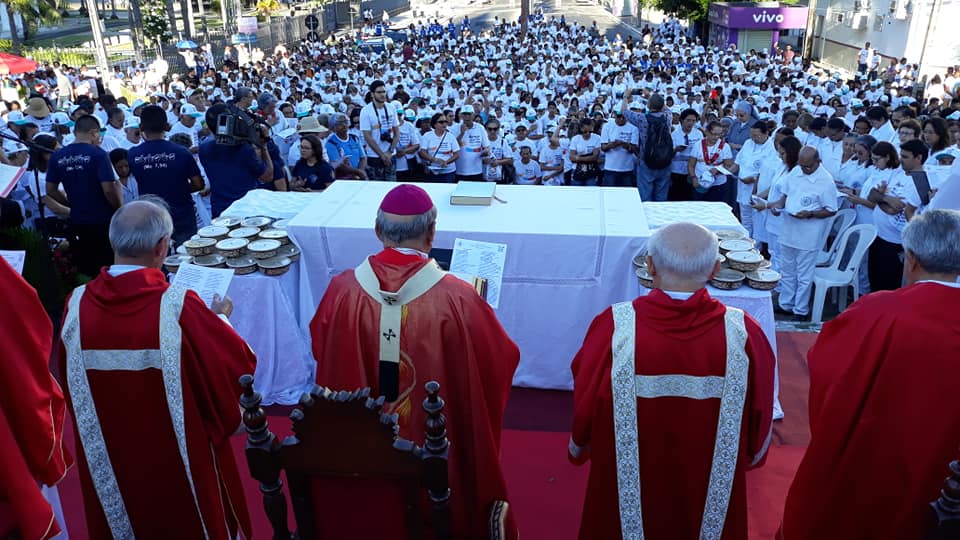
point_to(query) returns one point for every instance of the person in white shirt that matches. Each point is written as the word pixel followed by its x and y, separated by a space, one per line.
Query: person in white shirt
pixel 131 133
pixel 857 184
pixel 768 220
pixel 702 167
pixel 686 137
pixel 896 200
pixel 754 152
pixel 188 124
pixel 830 147
pixel 474 145
pixel 500 154
pixel 551 159
pixel 880 127
pixel 381 132
pixel 408 146
pixel 809 200
pixel 585 155
pixel 439 150
pixel 619 140
pixel 528 170
pixel 863 59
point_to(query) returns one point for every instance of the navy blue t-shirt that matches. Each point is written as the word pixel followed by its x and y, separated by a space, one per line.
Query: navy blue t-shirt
pixel 317 176
pixel 82 168
pixel 164 169
pixel 232 171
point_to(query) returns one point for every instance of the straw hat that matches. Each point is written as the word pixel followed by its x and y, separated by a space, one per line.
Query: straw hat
pixel 310 124
pixel 37 108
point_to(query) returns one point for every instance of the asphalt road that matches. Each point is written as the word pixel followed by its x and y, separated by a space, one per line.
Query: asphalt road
pixel 579 12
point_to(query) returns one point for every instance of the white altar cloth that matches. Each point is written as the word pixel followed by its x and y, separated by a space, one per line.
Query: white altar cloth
pixel 568 257
pixel 275 204
pixel 712 215
pixel 264 314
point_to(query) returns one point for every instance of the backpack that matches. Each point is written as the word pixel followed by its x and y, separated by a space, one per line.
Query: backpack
pixel 658 150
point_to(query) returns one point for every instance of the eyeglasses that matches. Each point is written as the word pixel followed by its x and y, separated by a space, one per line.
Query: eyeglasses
pixel 442 122
pixel 493 128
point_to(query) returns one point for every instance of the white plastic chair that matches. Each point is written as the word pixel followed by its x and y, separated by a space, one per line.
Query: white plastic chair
pixel 842 271
pixel 842 221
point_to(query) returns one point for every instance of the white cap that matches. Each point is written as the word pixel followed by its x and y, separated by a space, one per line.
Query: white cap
pixel 131 122
pixel 188 109
pixel 466 109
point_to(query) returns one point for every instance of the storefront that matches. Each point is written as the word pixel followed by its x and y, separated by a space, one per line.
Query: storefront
pixel 751 25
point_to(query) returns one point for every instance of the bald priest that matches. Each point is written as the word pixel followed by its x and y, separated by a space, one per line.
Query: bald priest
pixel 673 402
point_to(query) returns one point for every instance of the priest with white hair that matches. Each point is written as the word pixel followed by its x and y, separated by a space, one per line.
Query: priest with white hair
pixel 673 391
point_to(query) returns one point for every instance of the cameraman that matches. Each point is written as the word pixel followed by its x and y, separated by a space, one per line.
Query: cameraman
pixel 381 131
pixel 233 169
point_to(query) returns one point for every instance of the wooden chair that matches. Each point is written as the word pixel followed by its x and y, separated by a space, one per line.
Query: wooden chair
pixel 345 435
pixel 946 509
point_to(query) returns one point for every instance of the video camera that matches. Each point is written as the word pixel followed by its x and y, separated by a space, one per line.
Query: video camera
pixel 235 127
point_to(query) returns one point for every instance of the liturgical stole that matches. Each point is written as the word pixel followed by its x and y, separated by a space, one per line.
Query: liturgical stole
pixel 628 386
pixel 391 314
pixel 166 359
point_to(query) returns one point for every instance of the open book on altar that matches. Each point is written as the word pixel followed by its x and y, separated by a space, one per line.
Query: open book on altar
pixel 473 193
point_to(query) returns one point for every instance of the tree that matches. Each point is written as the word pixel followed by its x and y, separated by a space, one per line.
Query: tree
pixel 33 14
pixel 684 9
pixel 266 7
pixel 156 25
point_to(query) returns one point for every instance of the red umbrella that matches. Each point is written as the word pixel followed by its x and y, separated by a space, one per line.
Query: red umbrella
pixel 11 63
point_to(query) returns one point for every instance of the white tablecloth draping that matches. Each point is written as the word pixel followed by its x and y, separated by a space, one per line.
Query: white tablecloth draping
pixel 264 314
pixel 712 215
pixel 568 257
pixel 275 204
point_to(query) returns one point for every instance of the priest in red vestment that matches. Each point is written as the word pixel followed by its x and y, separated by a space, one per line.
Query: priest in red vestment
pixel 884 413
pixel 673 402
pixel 152 381
pixel 397 322
pixel 31 413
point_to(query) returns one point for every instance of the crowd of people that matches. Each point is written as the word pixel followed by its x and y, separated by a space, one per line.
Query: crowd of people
pixel 785 144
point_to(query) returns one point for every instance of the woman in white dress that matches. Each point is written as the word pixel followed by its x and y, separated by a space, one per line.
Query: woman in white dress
pixel 789 150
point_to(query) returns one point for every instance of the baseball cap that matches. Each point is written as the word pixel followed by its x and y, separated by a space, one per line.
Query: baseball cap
pixel 188 109
pixel 131 122
pixel 61 119
pixel 467 109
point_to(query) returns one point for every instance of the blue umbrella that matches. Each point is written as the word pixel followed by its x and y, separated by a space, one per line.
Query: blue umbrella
pixel 186 44
pixel 246 39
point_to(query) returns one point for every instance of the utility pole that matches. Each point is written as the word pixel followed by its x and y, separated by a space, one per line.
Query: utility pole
pixel 100 49
pixel 524 15
pixel 808 33
pixel 931 23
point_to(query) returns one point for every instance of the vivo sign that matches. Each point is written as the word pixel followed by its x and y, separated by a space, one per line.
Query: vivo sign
pixel 757 18
pixel 766 17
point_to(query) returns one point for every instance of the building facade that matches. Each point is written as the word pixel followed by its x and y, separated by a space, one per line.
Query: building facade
pixel 755 25
pixel 922 31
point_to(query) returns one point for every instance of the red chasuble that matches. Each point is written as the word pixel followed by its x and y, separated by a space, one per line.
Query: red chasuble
pixel 31 411
pixel 884 417
pixel 123 314
pixel 449 334
pixel 676 434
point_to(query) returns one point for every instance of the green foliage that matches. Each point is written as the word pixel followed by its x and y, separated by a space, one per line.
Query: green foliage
pixel 6 44
pixel 156 24
pixel 38 269
pixel 684 9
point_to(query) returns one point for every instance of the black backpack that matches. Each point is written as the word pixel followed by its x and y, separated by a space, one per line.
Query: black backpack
pixel 658 150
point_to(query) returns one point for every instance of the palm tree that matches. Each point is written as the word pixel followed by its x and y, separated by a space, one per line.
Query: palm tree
pixel 33 13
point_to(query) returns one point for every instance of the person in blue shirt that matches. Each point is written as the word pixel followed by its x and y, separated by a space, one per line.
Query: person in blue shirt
pixel 311 172
pixel 92 193
pixel 166 170
pixel 233 170
pixel 345 150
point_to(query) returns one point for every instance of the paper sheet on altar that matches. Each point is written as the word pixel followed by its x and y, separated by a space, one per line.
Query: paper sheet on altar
pixel 481 259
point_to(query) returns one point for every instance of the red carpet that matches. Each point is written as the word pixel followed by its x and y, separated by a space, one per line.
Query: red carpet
pixel 546 491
